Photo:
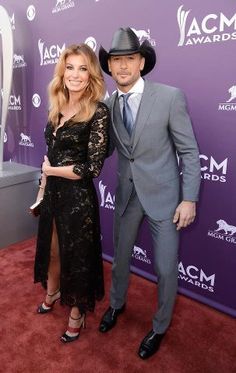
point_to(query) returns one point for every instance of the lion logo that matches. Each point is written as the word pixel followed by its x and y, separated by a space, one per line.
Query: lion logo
pixel 139 251
pixel 60 2
pixel 232 92
pixel 17 59
pixel 25 138
pixel 142 34
pixel 223 226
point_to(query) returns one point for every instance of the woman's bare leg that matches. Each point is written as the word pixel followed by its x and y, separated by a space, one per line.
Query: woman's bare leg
pixel 53 283
pixel 76 321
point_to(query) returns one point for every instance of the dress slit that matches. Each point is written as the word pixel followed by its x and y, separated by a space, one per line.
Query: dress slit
pixel 72 207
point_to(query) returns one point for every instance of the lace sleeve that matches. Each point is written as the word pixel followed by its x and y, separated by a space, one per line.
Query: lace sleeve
pixel 97 146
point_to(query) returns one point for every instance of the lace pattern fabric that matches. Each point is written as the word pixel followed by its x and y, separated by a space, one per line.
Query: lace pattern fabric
pixel 73 204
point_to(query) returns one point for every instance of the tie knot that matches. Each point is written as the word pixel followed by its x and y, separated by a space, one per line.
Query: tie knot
pixel 125 97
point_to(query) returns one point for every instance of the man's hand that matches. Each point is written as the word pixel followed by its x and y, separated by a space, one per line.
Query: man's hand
pixel 184 214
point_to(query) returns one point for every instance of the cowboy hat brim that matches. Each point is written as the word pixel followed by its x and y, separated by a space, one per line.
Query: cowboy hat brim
pixel 145 50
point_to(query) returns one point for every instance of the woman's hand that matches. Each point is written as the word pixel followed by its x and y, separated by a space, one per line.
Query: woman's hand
pixel 46 166
pixel 60 171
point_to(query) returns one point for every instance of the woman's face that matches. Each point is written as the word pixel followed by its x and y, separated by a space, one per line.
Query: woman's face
pixel 76 75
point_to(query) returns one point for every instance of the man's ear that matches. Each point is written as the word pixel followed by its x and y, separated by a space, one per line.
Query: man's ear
pixel 142 63
pixel 109 65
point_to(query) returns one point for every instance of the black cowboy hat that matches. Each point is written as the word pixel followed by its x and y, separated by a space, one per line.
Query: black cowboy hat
pixel 126 42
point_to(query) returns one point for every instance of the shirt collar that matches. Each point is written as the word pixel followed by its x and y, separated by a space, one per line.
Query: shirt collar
pixel 138 87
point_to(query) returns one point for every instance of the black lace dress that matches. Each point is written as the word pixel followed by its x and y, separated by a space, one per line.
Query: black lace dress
pixel 73 204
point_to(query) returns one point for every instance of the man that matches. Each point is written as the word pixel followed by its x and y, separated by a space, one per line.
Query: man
pixel 149 126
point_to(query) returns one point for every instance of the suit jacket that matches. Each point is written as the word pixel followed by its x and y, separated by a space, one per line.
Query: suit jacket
pixel 148 160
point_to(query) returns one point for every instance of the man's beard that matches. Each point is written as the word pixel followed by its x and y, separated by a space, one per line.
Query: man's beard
pixel 123 84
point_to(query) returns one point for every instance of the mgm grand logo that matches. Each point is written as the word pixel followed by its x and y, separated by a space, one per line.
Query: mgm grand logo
pixel 63 5
pixel 26 140
pixel 140 254
pixel 230 104
pixel 225 232
pixel 18 61
pixel 144 35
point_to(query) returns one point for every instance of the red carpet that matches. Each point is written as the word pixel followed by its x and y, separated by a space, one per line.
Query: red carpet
pixel 200 340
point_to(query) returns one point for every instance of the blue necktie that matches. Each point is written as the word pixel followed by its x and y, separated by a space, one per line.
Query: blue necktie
pixel 127 114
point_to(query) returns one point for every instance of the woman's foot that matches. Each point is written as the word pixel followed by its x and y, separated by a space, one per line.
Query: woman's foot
pixel 51 299
pixel 73 330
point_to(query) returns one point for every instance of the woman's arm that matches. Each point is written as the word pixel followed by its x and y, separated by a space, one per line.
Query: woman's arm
pixel 97 150
pixel 97 145
pixel 42 185
pixel 61 171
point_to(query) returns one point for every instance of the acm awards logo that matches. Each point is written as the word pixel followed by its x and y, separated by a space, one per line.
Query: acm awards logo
pixel 140 254
pixel 62 5
pixel 14 102
pixel 107 198
pixel 144 35
pixel 197 277
pixel 213 28
pixel 224 231
pixel 213 170
pixel 49 55
pixel 229 105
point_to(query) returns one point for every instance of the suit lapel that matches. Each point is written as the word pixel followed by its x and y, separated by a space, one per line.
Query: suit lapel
pixel 146 105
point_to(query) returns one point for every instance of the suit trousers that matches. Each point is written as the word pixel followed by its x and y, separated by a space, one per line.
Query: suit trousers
pixel 165 245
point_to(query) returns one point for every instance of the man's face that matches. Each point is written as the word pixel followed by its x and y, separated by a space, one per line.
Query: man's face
pixel 125 70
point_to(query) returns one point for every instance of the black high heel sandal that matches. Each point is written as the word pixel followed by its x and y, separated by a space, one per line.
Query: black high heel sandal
pixel 46 307
pixel 65 338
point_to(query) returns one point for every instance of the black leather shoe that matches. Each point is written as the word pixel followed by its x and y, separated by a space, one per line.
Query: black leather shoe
pixel 109 318
pixel 150 344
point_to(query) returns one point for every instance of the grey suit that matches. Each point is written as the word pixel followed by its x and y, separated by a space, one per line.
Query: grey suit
pixel 149 185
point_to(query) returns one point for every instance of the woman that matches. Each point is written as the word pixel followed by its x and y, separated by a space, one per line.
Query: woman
pixel 68 256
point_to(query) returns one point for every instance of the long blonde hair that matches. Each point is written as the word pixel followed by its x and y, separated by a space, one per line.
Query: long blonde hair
pixel 59 95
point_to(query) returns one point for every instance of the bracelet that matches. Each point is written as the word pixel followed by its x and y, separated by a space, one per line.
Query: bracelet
pixel 40 187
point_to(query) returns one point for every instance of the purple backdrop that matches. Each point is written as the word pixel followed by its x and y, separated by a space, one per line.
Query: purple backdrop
pixel 195 44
